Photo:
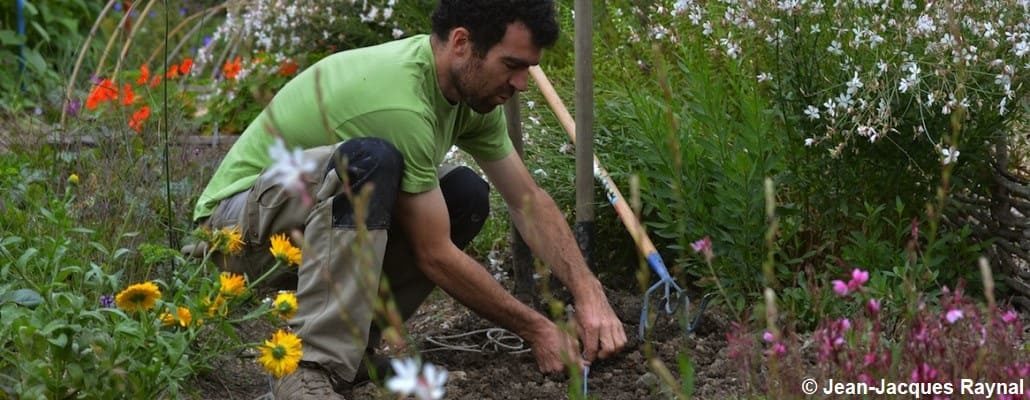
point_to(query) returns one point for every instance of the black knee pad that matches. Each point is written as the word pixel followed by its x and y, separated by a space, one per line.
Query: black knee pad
pixel 368 160
pixel 468 203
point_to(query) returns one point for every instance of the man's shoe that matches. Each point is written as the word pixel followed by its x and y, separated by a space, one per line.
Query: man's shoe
pixel 309 382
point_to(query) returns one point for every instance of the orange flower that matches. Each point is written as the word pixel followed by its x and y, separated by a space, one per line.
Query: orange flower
pixel 103 91
pixel 173 72
pixel 231 69
pixel 138 118
pixel 288 67
pixel 144 75
pixel 155 81
pixel 128 96
pixel 186 66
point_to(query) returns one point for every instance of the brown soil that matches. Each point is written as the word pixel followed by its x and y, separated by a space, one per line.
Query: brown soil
pixel 498 375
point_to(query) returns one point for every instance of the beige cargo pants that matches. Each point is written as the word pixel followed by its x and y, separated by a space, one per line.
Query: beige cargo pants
pixel 338 284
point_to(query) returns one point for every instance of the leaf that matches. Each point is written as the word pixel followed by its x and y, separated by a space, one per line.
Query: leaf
pixel 24 297
pixel 11 38
pixel 41 31
pixel 24 259
pixel 35 60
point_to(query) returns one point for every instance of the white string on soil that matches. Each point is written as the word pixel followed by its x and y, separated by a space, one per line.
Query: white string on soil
pixel 498 340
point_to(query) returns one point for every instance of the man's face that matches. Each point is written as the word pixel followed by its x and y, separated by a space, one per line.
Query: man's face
pixel 486 82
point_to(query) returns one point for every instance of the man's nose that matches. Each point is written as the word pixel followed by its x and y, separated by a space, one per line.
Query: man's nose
pixel 520 79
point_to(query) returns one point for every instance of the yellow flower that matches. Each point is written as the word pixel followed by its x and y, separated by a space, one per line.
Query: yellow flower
pixel 232 284
pixel 138 297
pixel 285 305
pixel 232 239
pixel 281 354
pixel 73 179
pixel 284 251
pixel 183 316
pixel 216 306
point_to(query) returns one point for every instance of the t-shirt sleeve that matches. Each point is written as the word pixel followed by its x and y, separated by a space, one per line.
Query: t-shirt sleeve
pixel 410 133
pixel 487 138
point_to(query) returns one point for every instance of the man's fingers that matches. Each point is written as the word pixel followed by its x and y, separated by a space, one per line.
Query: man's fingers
pixel 590 338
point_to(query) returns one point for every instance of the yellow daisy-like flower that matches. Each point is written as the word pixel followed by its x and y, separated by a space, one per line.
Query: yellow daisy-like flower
pixel 73 179
pixel 233 239
pixel 216 306
pixel 281 354
pixel 182 315
pixel 232 284
pixel 138 297
pixel 284 251
pixel 285 305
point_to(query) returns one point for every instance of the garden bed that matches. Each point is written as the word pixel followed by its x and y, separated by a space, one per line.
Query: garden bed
pixel 499 376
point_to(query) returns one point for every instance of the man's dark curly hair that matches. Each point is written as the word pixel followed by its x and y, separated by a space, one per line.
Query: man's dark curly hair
pixel 487 20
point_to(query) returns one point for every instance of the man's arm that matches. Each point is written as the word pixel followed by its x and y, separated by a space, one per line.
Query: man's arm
pixel 543 227
pixel 424 218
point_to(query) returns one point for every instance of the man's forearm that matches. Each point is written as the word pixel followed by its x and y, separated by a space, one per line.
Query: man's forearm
pixel 544 229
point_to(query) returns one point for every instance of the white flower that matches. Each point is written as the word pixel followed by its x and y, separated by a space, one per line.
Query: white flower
pixel 764 77
pixel 681 5
pixel 288 168
pixel 534 120
pixel 397 33
pixel 925 25
pixel 812 112
pixel 854 84
pixel 425 385
pixel 906 83
pixel 950 155
pixel 809 142
pixel 732 48
pixel 835 48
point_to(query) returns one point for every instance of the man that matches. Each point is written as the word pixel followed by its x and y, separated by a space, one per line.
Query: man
pixel 392 112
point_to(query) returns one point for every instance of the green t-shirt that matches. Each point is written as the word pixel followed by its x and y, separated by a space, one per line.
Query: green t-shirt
pixel 388 91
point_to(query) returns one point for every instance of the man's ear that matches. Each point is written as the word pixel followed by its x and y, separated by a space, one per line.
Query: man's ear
pixel 459 42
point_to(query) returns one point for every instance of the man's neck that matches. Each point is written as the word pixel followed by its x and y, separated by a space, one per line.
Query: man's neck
pixel 441 58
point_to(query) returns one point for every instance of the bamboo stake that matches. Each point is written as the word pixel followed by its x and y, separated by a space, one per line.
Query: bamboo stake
pixel 78 61
pixel 208 14
pixel 114 35
pixel 128 39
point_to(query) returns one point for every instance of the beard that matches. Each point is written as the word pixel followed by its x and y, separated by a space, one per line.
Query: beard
pixel 472 87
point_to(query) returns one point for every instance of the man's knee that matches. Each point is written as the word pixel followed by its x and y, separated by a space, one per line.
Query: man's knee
pixel 368 160
pixel 468 202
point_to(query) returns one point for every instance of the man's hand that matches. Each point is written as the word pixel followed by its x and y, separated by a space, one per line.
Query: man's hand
pixel 599 327
pixel 554 348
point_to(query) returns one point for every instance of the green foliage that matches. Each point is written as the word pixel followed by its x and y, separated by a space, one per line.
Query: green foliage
pixel 57 335
pixel 33 64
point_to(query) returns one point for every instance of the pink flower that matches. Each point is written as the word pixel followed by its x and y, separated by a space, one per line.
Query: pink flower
pixel 840 288
pixel 768 337
pixel 845 324
pixel 869 359
pixel 923 373
pixel 779 349
pixel 704 246
pixel 1010 316
pixel 858 278
pixel 953 315
pixel 873 306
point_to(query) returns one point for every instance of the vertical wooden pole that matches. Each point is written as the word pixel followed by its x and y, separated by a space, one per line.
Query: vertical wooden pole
pixel 522 258
pixel 584 48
